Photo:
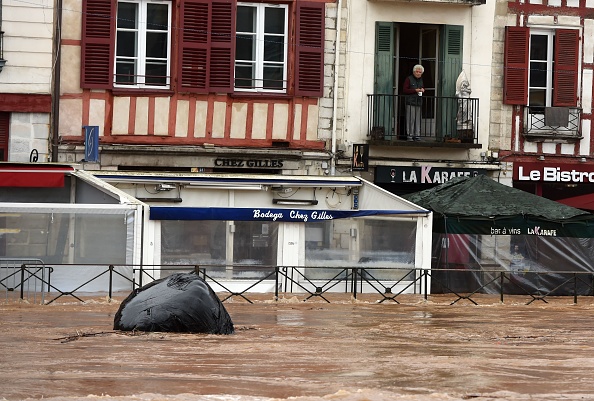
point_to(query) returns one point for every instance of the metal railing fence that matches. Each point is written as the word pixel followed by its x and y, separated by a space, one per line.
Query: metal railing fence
pixel 440 118
pixel 31 280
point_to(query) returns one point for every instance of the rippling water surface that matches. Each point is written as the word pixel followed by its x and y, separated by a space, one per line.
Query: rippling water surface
pixel 347 350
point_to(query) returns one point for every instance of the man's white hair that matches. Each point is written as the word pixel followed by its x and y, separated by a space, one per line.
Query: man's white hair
pixel 419 67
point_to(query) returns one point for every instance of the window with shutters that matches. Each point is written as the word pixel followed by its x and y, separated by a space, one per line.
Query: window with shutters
pixel 541 67
pixel 220 46
pixel 261 47
pixel 143 40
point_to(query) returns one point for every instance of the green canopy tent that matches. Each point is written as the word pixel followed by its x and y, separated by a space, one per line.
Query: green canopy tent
pixel 485 227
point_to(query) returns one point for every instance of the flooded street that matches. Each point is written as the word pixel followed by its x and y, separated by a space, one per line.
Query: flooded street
pixel 344 350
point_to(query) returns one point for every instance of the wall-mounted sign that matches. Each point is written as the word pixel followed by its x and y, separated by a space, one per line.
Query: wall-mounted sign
pixel 91 143
pixel 422 174
pixel 360 160
pixel 542 172
pixel 249 163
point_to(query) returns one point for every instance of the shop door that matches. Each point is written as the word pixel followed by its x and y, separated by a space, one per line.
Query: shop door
pixel 4 128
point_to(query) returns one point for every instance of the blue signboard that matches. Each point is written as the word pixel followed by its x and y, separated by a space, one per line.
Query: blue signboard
pixel 264 214
pixel 91 143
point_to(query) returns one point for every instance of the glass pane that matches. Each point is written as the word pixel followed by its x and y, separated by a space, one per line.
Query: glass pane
pixel 246 19
pixel 429 75
pixel 538 47
pixel 157 17
pixel 156 73
pixel 126 44
pixel 429 43
pixel 255 243
pixel 244 76
pixel 127 15
pixel 245 48
pixel 156 45
pixel 538 74
pixel 274 20
pixel 125 72
pixel 192 242
pixel 537 97
pixel 274 48
pixel 273 77
pixel 386 250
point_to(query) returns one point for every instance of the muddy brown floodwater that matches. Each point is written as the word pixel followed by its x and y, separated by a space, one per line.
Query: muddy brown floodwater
pixel 346 350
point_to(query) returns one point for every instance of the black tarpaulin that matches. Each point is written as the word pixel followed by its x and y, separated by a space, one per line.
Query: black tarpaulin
pixel 483 196
pixel 480 205
pixel 182 303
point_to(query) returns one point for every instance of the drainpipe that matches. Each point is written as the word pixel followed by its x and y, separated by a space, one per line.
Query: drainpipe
pixel 57 52
pixel 335 85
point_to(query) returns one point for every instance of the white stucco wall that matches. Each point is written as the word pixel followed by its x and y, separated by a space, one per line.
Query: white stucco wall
pixel 28 132
pixel 28 34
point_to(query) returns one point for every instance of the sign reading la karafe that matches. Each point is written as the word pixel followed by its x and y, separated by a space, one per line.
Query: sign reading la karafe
pixel 422 174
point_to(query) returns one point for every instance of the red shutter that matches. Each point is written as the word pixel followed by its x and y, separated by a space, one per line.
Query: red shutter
pixel 566 67
pixel 207 42
pixel 515 73
pixel 4 128
pixel 309 65
pixel 98 29
pixel 222 46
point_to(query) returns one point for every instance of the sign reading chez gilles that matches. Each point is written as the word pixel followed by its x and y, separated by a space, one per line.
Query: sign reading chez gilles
pixel 422 174
pixel 249 163
pixel 554 173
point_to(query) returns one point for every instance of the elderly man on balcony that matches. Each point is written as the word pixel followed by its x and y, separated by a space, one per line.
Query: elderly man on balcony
pixel 413 90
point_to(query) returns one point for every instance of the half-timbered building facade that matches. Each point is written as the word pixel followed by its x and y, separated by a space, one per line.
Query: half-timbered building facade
pixel 542 97
pixel 198 85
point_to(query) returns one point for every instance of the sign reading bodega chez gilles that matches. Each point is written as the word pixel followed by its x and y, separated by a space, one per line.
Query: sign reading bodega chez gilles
pixel 550 173
pixel 422 174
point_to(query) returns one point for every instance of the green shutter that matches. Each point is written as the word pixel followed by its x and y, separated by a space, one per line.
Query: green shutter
pixel 384 78
pixel 384 58
pixel 452 38
pixel 449 70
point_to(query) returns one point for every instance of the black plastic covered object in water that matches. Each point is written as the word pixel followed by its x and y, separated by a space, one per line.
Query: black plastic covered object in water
pixel 181 303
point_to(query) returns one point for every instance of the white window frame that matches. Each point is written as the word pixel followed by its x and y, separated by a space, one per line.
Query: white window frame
pixel 141 57
pixel 550 34
pixel 259 62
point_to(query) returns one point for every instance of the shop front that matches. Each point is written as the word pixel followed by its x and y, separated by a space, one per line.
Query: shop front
pixel 236 227
pixel 61 229
pixel 569 183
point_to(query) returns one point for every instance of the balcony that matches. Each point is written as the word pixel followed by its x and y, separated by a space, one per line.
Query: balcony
pixel 445 121
pixel 552 124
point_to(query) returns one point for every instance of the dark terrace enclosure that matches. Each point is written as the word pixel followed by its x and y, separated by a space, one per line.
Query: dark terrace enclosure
pixel 344 350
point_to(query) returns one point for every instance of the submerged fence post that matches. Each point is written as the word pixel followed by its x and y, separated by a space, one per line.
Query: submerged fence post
pixel 110 281
pixel 355 271
pixel 276 271
pixel 426 274
pixel 501 286
pixel 575 288
pixel 23 267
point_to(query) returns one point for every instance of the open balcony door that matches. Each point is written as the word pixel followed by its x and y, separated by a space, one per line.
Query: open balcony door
pixel 398 48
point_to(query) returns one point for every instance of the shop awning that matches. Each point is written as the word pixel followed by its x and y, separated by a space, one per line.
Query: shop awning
pixel 584 202
pixel 31 176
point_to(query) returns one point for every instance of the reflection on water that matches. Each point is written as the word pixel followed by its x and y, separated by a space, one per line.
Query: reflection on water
pixel 307 351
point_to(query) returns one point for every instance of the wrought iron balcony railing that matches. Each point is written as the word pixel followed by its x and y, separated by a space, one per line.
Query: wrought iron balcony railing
pixel 552 123
pixel 438 119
